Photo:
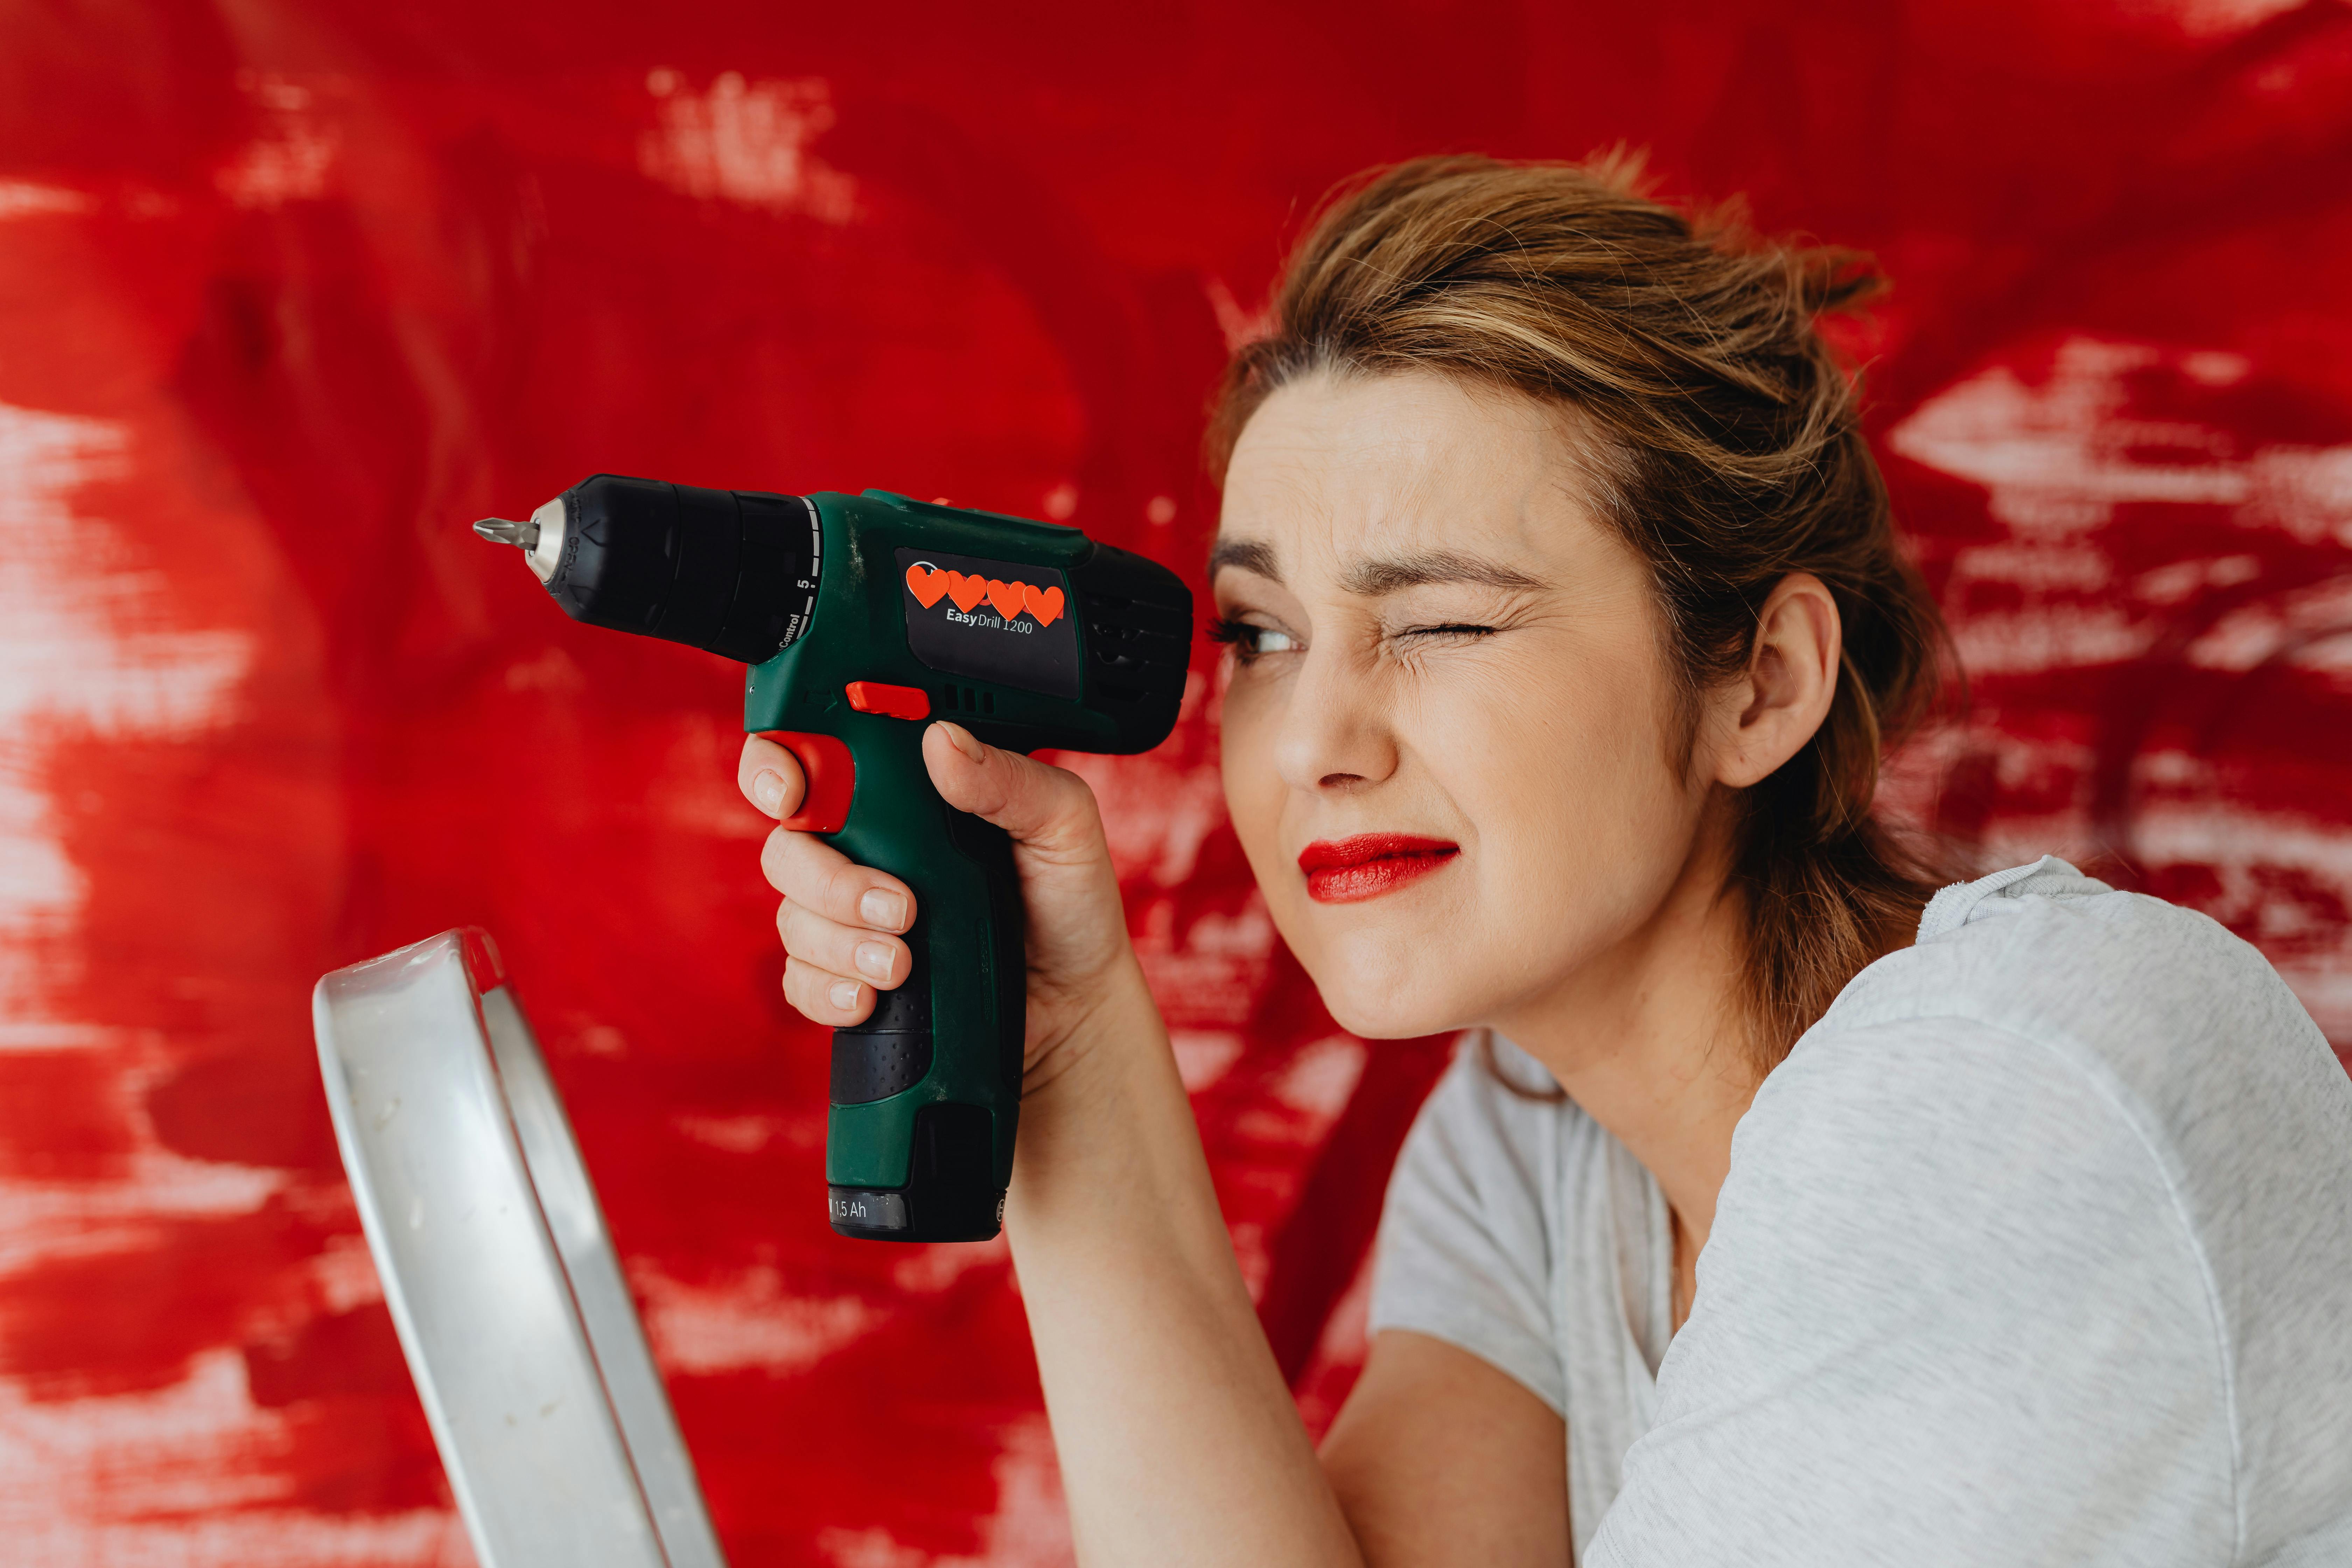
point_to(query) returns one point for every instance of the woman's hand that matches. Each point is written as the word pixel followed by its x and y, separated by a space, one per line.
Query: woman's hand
pixel 1179 1442
pixel 842 922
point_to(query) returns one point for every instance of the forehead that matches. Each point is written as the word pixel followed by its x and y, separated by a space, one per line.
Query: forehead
pixel 1337 469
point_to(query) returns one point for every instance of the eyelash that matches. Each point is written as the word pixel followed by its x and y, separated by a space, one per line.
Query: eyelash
pixel 1240 636
pixel 1443 631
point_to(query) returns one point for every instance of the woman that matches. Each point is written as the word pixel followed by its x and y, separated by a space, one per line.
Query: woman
pixel 1567 622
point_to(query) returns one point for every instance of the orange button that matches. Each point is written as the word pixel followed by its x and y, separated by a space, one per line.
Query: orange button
pixel 896 701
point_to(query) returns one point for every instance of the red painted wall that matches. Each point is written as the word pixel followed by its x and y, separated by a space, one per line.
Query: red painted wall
pixel 290 293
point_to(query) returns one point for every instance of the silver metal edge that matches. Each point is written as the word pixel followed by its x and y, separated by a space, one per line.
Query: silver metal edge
pixel 616 1336
pixel 446 952
pixel 371 1207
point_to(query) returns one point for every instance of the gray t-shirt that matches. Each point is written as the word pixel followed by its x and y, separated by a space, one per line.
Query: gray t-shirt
pixel 2037 1249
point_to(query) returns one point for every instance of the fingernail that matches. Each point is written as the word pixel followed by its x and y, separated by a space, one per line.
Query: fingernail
pixel 882 908
pixel 768 790
pixel 874 959
pixel 842 994
pixel 963 740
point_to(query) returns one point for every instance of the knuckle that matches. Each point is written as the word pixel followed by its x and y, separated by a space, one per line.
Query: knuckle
pixel 807 867
pixel 776 858
pixel 841 888
pixel 804 936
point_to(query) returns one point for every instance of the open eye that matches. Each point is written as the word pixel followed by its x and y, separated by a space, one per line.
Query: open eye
pixel 1249 640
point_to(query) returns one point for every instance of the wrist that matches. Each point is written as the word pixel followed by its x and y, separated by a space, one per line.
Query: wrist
pixel 1089 1035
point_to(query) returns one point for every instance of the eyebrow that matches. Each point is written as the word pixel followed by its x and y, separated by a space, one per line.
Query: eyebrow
pixel 1246 553
pixel 1372 579
pixel 1377 579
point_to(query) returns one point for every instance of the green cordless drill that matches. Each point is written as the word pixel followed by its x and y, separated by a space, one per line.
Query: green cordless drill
pixel 861 617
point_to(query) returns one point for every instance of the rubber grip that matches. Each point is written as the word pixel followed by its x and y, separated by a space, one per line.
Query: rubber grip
pixel 927 1091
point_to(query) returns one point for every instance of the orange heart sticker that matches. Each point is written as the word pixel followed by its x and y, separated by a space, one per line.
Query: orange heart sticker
pixel 966 591
pixel 1006 596
pixel 1044 609
pixel 926 584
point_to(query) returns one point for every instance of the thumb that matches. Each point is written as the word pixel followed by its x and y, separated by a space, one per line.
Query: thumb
pixel 1049 810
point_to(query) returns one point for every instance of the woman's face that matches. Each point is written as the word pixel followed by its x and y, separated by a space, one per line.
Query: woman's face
pixel 1450 730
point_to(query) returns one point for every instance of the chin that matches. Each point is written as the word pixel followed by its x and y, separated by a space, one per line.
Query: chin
pixel 1388 989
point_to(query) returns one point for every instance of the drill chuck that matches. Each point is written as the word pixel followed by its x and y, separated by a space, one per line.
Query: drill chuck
pixel 729 572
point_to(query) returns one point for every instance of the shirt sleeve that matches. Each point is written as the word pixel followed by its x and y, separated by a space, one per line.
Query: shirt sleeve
pixel 1950 1312
pixel 1464 1245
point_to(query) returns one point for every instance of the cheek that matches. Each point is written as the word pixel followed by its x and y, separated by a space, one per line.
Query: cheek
pixel 1531 755
pixel 1582 821
pixel 1249 718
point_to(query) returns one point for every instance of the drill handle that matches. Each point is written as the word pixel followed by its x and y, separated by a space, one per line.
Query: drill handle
pixel 926 1092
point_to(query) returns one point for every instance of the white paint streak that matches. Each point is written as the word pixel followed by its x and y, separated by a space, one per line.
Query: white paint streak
pixel 1321 1078
pixel 2059 458
pixel 78 656
pixel 2184 580
pixel 168 1477
pixel 2307 490
pixel 746 144
pixel 2042 565
pixel 927 1270
pixel 1203 1056
pixel 20 198
pixel 1155 815
pixel 749 1320
pixel 294 160
pixel 167 1480
pixel 2249 636
pixel 2213 833
pixel 2212 18
pixel 344 1275
pixel 2258 858
pixel 2024 641
pixel 732 1135
pixel 43 1221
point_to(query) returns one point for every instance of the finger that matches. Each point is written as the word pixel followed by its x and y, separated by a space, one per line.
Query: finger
pixel 881 961
pixel 818 877
pixel 1050 810
pixel 834 1000
pixel 769 776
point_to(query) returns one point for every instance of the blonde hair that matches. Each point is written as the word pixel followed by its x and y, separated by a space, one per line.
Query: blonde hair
pixel 1728 455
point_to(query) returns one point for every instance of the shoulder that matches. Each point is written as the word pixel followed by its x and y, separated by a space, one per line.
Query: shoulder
pixel 1940 1269
pixel 2070 1107
pixel 2038 998
pixel 2155 1012
pixel 1906 1150
pixel 2044 951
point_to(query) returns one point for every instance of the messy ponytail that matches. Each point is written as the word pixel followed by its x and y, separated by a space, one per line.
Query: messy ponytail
pixel 1726 452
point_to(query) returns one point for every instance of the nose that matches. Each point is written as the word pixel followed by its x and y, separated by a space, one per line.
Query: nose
pixel 1334 736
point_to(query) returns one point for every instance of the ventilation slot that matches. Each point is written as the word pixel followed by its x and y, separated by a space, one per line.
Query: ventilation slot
pixel 1140 649
pixel 965 699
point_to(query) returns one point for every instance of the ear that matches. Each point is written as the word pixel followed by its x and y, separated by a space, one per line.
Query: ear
pixel 1765 716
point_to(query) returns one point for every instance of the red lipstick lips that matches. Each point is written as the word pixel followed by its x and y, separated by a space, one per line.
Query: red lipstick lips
pixel 1349 870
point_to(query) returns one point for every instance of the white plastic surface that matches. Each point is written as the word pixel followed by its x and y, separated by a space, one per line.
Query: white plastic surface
pixel 518 1326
